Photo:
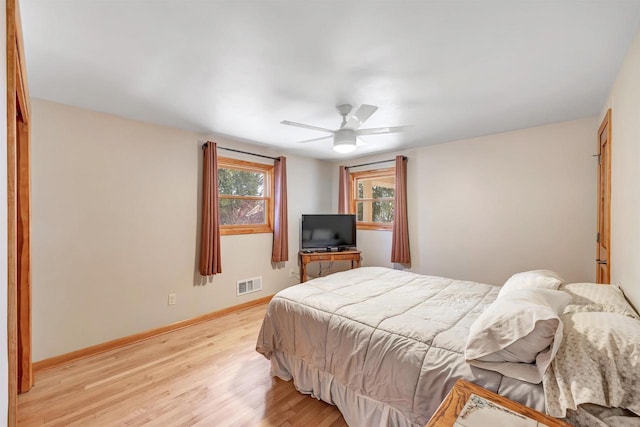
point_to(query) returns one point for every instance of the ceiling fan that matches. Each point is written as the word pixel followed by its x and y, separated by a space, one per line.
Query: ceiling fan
pixel 345 138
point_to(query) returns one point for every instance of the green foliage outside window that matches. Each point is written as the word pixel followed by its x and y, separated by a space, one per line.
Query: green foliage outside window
pixel 235 182
pixel 240 210
pixel 377 191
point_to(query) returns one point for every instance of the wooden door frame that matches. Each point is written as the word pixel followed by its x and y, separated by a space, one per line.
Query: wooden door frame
pixel 18 214
pixel 606 123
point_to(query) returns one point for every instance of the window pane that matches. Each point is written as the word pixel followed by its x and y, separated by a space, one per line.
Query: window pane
pixel 235 182
pixel 360 211
pixel 376 211
pixel 240 211
pixel 383 211
pixel 381 191
pixel 376 188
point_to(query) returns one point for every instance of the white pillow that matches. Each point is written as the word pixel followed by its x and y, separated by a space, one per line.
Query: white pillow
pixel 597 298
pixel 519 334
pixel 544 279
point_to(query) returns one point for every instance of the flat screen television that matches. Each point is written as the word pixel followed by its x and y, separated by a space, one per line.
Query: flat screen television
pixel 328 232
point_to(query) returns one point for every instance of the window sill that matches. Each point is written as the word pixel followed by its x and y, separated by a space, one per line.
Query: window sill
pixel 373 226
pixel 232 230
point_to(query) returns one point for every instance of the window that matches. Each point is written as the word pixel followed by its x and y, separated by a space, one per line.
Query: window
pixel 373 198
pixel 245 197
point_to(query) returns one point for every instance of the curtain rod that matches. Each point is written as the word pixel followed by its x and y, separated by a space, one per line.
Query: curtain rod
pixel 374 163
pixel 245 152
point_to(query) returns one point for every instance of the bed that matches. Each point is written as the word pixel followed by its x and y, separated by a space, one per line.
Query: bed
pixel 384 346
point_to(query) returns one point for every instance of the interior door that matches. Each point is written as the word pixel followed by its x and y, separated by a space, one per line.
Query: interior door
pixel 603 251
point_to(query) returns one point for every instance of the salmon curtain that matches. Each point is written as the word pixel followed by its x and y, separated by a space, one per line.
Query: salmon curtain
pixel 343 191
pixel 400 240
pixel 280 251
pixel 210 263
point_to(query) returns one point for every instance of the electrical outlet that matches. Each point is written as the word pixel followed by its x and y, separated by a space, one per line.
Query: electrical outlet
pixel 293 273
pixel 172 299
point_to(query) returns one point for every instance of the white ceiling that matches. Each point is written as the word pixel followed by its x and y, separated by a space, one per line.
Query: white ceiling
pixel 451 69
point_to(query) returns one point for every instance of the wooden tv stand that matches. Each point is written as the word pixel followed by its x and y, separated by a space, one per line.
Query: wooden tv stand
pixel 307 257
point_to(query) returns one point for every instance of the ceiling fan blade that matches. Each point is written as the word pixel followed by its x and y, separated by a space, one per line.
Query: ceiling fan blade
pixel 314 139
pixel 363 113
pixel 360 142
pixel 302 125
pixel 378 131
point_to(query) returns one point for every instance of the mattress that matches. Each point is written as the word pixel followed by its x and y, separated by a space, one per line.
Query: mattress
pixel 383 345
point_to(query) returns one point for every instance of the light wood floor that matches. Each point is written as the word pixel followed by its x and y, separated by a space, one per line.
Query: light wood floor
pixel 206 375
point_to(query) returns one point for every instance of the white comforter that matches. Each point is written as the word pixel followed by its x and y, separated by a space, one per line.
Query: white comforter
pixel 388 341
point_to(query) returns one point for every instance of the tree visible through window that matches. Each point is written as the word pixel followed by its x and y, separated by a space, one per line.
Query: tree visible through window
pixel 244 195
pixel 373 198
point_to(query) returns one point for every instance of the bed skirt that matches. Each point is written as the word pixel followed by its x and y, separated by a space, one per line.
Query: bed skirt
pixel 357 410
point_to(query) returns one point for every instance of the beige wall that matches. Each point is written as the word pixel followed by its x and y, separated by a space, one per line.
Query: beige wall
pixel 115 226
pixel 624 102
pixel 485 208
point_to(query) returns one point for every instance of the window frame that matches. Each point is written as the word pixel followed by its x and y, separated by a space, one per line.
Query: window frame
pixel 243 165
pixel 353 199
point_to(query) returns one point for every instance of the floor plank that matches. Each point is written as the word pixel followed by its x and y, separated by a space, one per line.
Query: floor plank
pixel 204 375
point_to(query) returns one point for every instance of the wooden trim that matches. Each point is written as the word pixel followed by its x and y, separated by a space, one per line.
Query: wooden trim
pixel 606 123
pixel 141 336
pixel 18 214
pixel 12 298
pixel 448 411
pixel 24 109
pixel 230 196
pixel 23 87
pixel 23 258
pixel 374 226
pixel 230 230
pixel 374 173
pixel 228 162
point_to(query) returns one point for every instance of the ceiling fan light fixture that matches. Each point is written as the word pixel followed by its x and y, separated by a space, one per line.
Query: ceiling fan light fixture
pixel 345 138
pixel 344 141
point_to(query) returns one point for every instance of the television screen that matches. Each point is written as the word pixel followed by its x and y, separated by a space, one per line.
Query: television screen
pixel 328 231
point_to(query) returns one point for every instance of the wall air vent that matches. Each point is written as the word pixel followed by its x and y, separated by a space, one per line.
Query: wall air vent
pixel 246 286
